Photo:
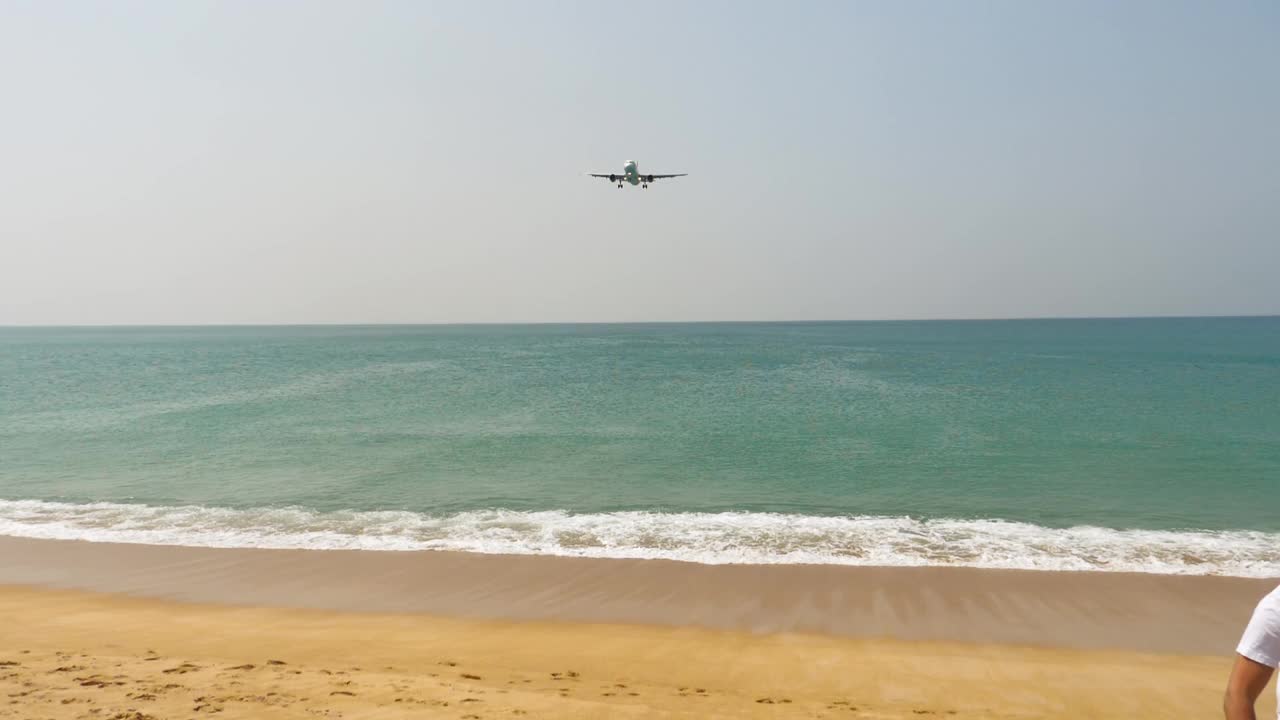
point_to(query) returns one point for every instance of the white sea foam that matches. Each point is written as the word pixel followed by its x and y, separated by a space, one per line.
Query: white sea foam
pixel 712 538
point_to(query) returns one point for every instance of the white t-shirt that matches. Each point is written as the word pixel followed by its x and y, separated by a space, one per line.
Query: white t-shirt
pixel 1261 641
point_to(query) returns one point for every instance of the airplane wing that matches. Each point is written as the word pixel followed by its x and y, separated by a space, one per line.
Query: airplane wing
pixel 611 176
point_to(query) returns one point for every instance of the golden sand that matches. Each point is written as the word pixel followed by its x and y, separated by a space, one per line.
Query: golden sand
pixel 82 655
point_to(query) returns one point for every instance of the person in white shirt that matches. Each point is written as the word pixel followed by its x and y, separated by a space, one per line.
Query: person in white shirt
pixel 1256 659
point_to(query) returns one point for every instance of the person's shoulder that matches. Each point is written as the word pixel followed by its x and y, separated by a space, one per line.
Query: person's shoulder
pixel 1261 639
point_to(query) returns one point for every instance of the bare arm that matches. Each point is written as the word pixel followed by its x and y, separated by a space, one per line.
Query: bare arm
pixel 1247 681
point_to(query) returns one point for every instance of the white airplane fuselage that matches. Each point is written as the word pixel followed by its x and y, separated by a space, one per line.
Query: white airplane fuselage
pixel 630 173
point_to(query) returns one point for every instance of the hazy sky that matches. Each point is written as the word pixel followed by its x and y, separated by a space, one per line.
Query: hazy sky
pixel 226 162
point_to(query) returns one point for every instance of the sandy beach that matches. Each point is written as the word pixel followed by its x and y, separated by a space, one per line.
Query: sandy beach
pixel 78 655
pixel 134 632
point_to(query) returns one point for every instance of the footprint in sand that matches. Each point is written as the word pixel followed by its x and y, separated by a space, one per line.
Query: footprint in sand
pixel 97 681
pixel 246 666
pixel 343 692
pixel 469 676
pixel 182 669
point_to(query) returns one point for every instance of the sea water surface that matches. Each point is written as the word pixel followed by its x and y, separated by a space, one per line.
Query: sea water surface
pixel 1148 445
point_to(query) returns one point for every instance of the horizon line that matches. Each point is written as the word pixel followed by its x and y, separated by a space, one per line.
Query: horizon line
pixel 491 323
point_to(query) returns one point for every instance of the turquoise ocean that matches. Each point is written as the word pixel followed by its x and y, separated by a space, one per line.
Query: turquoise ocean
pixel 1148 445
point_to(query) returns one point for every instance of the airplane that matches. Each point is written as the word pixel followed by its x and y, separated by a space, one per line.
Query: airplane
pixel 632 175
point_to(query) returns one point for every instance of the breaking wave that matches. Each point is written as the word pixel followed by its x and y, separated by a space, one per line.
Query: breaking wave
pixel 711 538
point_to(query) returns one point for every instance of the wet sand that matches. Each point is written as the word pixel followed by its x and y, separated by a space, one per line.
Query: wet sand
pixel 1150 613
pixel 163 632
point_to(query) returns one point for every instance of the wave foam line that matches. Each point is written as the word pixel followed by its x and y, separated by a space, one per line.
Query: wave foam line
pixel 711 538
